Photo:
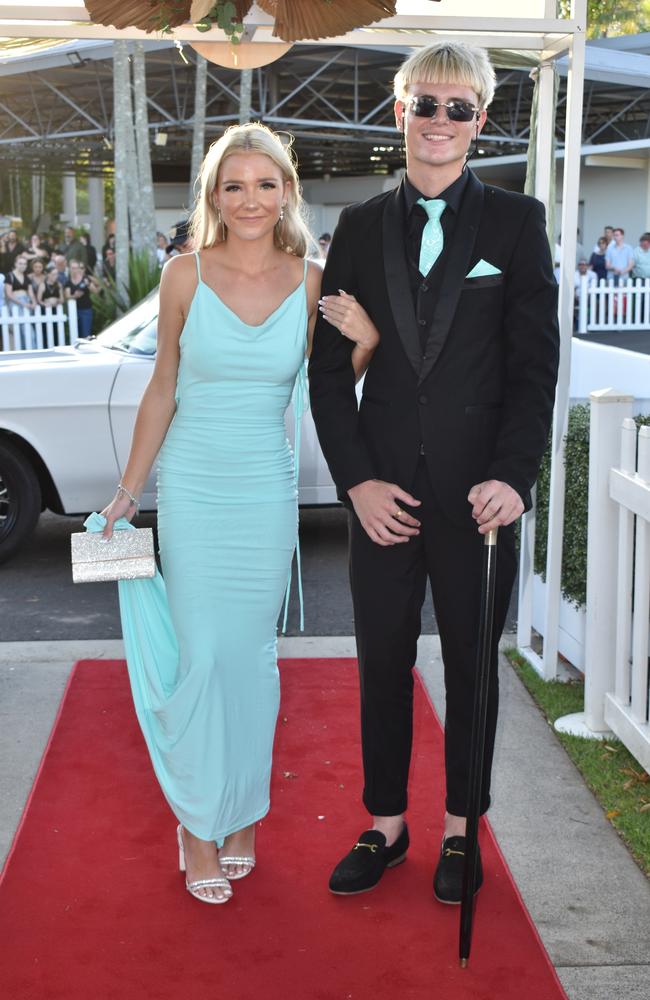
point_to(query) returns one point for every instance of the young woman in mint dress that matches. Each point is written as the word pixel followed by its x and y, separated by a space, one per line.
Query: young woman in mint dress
pixel 235 322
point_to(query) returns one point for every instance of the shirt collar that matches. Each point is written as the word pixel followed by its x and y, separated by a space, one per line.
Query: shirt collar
pixel 452 195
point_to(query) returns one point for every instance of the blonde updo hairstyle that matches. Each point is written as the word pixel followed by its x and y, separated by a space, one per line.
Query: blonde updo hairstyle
pixel 206 226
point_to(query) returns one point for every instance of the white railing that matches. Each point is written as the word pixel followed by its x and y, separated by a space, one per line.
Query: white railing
pixel 626 706
pixel 606 306
pixel 618 578
pixel 46 326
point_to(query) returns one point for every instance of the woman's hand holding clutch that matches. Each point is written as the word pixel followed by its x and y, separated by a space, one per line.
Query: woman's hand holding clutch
pixel 123 504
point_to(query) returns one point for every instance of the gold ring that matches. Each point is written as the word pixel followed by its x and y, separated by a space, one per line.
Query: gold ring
pixel 399 513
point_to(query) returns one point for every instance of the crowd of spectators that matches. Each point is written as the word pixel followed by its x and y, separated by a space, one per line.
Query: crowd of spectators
pixel 47 269
pixel 614 259
pixel 611 259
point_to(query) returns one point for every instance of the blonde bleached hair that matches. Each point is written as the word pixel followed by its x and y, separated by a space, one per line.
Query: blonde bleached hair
pixel 448 62
pixel 206 229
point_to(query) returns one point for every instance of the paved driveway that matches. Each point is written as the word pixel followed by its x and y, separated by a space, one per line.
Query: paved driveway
pixel 38 600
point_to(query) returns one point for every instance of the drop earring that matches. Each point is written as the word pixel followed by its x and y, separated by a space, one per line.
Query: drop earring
pixel 221 225
pixel 280 235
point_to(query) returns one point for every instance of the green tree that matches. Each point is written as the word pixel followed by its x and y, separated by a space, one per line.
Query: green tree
pixel 606 18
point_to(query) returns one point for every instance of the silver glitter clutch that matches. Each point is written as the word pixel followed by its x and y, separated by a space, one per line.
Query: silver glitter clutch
pixel 127 556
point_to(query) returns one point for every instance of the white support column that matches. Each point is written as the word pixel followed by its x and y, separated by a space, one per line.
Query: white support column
pixel 96 208
pixel 608 409
pixel 69 214
pixel 543 163
pixel 570 192
pixel 543 167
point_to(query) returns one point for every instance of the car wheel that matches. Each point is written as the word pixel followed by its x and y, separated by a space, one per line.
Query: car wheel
pixel 20 499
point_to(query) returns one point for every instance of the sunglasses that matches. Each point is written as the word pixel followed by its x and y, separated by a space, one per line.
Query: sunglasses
pixel 427 107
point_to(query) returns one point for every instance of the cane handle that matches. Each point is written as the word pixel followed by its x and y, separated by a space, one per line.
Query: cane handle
pixel 491 537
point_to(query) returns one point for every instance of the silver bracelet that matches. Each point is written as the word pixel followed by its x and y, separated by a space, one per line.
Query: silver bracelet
pixel 122 489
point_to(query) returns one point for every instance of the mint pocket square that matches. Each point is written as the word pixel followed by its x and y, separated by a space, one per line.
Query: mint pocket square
pixel 482 268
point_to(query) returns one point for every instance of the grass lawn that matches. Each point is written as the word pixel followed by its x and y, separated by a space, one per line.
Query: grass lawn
pixel 614 776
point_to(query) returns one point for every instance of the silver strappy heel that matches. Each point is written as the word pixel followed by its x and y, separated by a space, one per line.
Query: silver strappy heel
pixel 247 863
pixel 218 882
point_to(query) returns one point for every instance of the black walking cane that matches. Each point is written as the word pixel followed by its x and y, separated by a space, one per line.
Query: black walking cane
pixel 486 623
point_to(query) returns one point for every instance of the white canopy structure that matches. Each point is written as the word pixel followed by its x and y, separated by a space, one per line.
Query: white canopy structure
pixel 517 34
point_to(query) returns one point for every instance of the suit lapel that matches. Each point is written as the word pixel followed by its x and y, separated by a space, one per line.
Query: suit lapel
pixel 457 266
pixel 397 278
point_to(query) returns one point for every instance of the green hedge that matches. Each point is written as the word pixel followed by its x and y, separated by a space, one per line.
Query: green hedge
pixel 574 546
pixel 108 303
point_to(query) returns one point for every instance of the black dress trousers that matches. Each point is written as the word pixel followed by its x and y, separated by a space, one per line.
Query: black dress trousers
pixel 388 590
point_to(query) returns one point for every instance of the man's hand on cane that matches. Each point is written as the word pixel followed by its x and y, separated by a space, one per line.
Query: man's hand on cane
pixel 494 504
pixel 375 504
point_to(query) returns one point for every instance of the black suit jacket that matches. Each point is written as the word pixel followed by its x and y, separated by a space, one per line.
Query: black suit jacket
pixel 480 399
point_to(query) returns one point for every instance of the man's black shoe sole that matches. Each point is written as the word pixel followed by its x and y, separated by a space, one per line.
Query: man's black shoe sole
pixel 369 888
pixel 452 902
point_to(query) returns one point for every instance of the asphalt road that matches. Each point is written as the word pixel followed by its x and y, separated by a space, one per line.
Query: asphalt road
pixel 38 600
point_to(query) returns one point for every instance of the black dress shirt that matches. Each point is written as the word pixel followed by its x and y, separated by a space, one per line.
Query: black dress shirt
pixel 426 290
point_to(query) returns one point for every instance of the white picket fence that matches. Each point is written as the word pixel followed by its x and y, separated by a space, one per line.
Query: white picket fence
pixel 617 639
pixel 607 306
pixel 46 326
pixel 626 706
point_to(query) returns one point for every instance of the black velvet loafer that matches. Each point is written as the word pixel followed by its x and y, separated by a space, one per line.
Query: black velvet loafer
pixel 361 869
pixel 448 880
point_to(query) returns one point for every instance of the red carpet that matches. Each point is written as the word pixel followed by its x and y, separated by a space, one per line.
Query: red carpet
pixel 91 907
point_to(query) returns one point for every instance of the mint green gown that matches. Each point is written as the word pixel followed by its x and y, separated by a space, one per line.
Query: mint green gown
pixel 201 646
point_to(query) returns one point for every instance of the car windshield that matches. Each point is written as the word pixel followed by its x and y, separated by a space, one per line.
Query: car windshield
pixel 134 332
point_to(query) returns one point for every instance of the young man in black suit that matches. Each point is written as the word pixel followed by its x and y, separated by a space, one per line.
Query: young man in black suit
pixel 457 278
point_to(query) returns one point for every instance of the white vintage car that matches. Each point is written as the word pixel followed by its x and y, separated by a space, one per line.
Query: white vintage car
pixel 66 417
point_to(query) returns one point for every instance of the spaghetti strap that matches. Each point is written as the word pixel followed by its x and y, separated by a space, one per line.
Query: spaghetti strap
pixel 198 266
pixel 304 273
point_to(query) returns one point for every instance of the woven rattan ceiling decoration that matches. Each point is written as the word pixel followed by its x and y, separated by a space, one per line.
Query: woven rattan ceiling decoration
pixel 294 19
pixel 298 19
pixel 143 14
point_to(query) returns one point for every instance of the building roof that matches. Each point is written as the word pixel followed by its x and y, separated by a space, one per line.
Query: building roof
pixel 57 103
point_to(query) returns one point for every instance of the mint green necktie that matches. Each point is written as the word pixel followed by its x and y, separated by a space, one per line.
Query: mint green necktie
pixel 432 236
